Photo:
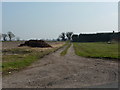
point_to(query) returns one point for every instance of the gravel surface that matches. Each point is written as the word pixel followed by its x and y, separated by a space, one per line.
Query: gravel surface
pixel 69 71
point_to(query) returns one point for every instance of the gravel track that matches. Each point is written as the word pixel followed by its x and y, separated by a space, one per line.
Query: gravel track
pixel 69 71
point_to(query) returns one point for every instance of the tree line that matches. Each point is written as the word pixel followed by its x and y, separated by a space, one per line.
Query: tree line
pixel 98 37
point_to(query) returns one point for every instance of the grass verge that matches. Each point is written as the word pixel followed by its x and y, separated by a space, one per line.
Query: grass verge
pixel 64 52
pixel 97 50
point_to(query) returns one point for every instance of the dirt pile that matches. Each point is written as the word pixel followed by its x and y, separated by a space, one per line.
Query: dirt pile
pixel 35 43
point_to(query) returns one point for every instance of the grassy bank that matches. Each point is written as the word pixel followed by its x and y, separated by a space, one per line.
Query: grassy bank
pixel 97 50
pixel 64 52
pixel 19 58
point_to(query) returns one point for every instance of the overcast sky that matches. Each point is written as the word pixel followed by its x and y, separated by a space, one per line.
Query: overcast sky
pixel 46 20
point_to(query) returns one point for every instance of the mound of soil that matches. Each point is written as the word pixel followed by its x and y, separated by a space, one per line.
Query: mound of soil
pixel 35 43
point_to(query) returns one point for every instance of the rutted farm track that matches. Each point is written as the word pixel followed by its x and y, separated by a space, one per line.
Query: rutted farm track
pixel 69 71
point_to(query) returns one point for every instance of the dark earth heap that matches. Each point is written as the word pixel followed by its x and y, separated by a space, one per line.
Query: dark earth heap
pixel 35 43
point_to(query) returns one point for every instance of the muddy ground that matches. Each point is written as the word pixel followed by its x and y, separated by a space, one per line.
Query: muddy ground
pixel 69 71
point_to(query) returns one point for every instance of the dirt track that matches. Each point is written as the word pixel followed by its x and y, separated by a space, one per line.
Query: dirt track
pixel 70 71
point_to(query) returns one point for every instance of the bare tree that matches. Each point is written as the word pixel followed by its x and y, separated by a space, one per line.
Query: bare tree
pixel 10 35
pixel 62 36
pixel 4 37
pixel 69 34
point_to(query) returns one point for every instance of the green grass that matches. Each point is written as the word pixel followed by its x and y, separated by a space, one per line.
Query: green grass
pixel 64 52
pixel 97 50
pixel 15 62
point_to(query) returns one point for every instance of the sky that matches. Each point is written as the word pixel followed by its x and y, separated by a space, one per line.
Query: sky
pixel 47 20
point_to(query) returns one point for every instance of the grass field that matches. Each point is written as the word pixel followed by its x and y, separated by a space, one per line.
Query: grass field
pixel 14 59
pixel 97 50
